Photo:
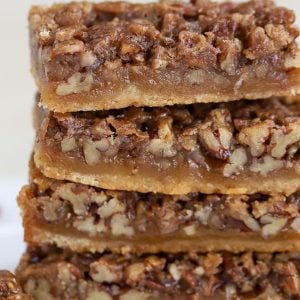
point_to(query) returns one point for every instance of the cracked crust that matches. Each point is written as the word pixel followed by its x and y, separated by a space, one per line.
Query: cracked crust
pixel 161 53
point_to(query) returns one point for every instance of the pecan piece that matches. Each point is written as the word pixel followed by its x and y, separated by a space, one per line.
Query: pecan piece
pixel 216 133
pixel 284 137
pixel 237 161
pixel 228 57
pixel 255 137
pixel 265 165
pixel 105 270
pixel 289 277
pixel 237 208
pixel 197 50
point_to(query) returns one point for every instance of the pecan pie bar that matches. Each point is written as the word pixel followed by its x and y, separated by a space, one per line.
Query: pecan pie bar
pixel 113 55
pixel 9 287
pixel 85 218
pixel 241 147
pixel 60 274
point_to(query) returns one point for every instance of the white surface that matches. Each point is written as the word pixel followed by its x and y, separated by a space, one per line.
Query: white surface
pixel 17 92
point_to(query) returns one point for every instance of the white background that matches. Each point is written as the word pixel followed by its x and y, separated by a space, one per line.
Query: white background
pixel 16 99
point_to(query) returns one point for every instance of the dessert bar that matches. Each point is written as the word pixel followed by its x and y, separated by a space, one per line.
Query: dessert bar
pixel 240 147
pixel 167 156
pixel 60 274
pixel 95 56
pixel 85 218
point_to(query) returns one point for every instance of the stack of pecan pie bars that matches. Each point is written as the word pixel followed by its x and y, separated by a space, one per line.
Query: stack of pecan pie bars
pixel 167 161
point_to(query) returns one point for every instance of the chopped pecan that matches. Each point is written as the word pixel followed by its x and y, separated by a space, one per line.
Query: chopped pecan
pixel 230 51
pixel 275 205
pixel 135 273
pixel 68 47
pixel 77 196
pixel 175 271
pixel 237 207
pixel 255 137
pixel 72 14
pixel 90 226
pixel 197 50
pixel 105 270
pixel 163 145
pixel 111 207
pixel 260 44
pixel 284 137
pixel 237 161
pixel 216 133
pixel 212 263
pixel 265 165
pixel 168 221
pixel 68 144
pixel 87 59
pixel 120 225
pixel 290 277
pixel 273 225
pixel 38 288
pixel 75 84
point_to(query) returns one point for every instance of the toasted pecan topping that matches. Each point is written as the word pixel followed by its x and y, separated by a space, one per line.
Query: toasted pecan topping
pixel 203 35
pixel 208 274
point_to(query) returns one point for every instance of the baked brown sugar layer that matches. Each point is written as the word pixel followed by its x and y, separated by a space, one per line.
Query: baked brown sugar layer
pixel 10 288
pixel 113 55
pixel 84 218
pixel 240 147
pixel 55 274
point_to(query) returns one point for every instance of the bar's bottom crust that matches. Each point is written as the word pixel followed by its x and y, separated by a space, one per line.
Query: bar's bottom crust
pixel 60 274
pixel 177 181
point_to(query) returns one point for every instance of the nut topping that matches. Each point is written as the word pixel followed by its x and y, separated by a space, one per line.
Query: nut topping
pixel 255 137
pixel 75 84
pixel 120 225
pixel 236 164
pixel 216 133
pixel 68 144
pixel 103 271
pixel 201 36
pixel 273 225
pixel 162 275
pixel 265 165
